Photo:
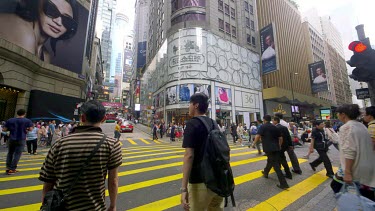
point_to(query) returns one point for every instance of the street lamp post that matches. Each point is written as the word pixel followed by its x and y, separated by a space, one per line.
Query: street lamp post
pixel 291 86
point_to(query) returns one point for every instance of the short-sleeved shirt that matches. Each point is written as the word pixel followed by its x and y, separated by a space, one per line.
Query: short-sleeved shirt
pixel 371 128
pixel 65 159
pixel 270 137
pixel 51 128
pixel 194 137
pixel 18 128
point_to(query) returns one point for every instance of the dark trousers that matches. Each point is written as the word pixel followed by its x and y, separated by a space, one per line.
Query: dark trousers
pixel 284 163
pixel 29 143
pixel 323 158
pixel 15 149
pixel 154 136
pixel 273 160
pixel 161 133
pixel 294 160
pixel 235 137
pixel 49 141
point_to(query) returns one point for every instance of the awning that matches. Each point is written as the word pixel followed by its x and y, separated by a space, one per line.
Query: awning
pixel 285 96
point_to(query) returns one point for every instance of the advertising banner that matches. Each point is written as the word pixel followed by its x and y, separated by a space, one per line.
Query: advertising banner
pixel 223 96
pixel 186 91
pixel 141 54
pixel 53 32
pixel 318 77
pixel 203 88
pixel 171 95
pixel 161 99
pixel 362 93
pixel 268 47
pixel 103 97
pixel 112 104
pixel 325 114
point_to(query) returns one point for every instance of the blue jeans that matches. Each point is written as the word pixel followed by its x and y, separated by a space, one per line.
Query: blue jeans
pixel 15 150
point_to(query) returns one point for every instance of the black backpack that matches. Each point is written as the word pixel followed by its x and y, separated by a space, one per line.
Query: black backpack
pixel 215 168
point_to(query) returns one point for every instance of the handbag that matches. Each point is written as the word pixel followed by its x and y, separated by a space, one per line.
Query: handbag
pixel 54 200
pixel 348 201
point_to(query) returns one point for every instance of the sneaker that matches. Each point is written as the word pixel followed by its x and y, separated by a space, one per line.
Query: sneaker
pixel 312 167
pixel 35 153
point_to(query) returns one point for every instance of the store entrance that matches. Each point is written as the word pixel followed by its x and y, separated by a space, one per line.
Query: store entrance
pixel 8 102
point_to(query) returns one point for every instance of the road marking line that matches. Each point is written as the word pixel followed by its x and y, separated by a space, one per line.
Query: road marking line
pixel 131 141
pixel 121 143
pixel 174 201
pixel 32 188
pixel 287 197
pixel 156 141
pixel 144 141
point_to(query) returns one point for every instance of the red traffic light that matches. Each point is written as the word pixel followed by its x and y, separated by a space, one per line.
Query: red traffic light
pixel 357 47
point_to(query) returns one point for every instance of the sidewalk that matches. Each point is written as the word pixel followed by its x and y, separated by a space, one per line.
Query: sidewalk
pixel 147 131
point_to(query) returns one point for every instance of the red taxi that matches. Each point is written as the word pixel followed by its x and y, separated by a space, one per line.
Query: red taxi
pixel 126 126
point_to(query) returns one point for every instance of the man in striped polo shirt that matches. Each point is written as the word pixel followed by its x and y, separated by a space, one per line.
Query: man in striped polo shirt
pixel 67 155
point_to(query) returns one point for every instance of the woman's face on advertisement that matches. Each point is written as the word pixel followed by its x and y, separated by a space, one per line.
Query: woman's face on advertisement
pixel 53 26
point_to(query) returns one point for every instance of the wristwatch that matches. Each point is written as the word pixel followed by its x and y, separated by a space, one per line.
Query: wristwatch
pixel 183 190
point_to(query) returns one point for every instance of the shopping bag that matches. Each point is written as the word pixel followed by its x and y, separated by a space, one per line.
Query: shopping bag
pixel 349 201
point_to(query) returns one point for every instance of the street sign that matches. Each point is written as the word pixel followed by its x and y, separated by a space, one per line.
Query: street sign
pixel 362 93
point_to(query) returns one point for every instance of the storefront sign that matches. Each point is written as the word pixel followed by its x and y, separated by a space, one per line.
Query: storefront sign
pixel 362 93
pixel 111 104
pixel 279 109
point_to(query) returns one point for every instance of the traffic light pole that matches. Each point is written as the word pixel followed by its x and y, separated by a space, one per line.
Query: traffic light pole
pixel 362 37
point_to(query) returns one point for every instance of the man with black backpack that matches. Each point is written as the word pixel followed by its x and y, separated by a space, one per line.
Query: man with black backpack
pixel 204 183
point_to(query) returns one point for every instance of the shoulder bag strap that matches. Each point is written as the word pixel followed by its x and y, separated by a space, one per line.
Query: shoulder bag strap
pixel 205 123
pixel 85 165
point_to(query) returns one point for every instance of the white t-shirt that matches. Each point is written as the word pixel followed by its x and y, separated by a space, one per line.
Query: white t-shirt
pixel 319 79
pixel 283 123
pixel 268 53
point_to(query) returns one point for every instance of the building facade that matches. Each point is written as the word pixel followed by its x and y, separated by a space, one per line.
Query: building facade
pixel 288 90
pixel 202 46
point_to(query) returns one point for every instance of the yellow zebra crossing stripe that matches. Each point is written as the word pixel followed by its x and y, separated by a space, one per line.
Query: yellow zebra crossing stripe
pixel 144 141
pixel 156 141
pixel 131 141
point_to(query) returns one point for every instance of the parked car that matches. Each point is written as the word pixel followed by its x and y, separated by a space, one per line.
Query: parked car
pixel 126 126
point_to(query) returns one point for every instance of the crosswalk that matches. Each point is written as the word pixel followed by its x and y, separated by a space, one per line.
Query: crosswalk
pixel 142 141
pixel 150 178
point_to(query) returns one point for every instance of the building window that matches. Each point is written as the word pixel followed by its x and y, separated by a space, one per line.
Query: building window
pixel 178 4
pixel 232 12
pixel 221 24
pixel 226 9
pixel 227 27
pixel 253 41
pixel 251 9
pixel 246 6
pixel 248 38
pixel 252 25
pixel 193 16
pixel 221 7
pixel 247 22
pixel 234 31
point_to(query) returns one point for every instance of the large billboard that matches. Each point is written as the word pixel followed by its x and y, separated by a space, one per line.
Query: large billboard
pixel 53 30
pixel 141 54
pixel 223 96
pixel 268 47
pixel 318 77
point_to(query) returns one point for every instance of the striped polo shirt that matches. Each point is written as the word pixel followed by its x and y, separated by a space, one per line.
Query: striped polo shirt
pixel 65 159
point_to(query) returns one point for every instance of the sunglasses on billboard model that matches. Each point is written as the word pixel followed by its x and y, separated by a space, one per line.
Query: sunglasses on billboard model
pixel 50 9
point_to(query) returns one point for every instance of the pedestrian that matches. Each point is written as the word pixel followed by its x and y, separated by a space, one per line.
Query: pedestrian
pixel 292 155
pixel 257 145
pixel 271 142
pixel 63 163
pixel 253 132
pixel 118 130
pixel 154 131
pixel 319 143
pixel 173 132
pixel 43 136
pixel 370 119
pixel 51 132
pixel 161 128
pixel 233 132
pixel 294 131
pixel 356 152
pixel 32 140
pixel 3 134
pixel 195 196
pixel 56 135
pixel 18 128
pixel 286 144
pixel 240 133
pixel 331 135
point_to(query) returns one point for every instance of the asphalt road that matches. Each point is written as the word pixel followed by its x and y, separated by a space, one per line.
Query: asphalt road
pixel 150 178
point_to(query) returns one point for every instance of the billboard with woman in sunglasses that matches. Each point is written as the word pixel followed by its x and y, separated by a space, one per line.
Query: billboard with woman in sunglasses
pixel 39 26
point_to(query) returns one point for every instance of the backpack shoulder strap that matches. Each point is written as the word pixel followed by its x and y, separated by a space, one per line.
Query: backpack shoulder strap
pixel 201 118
